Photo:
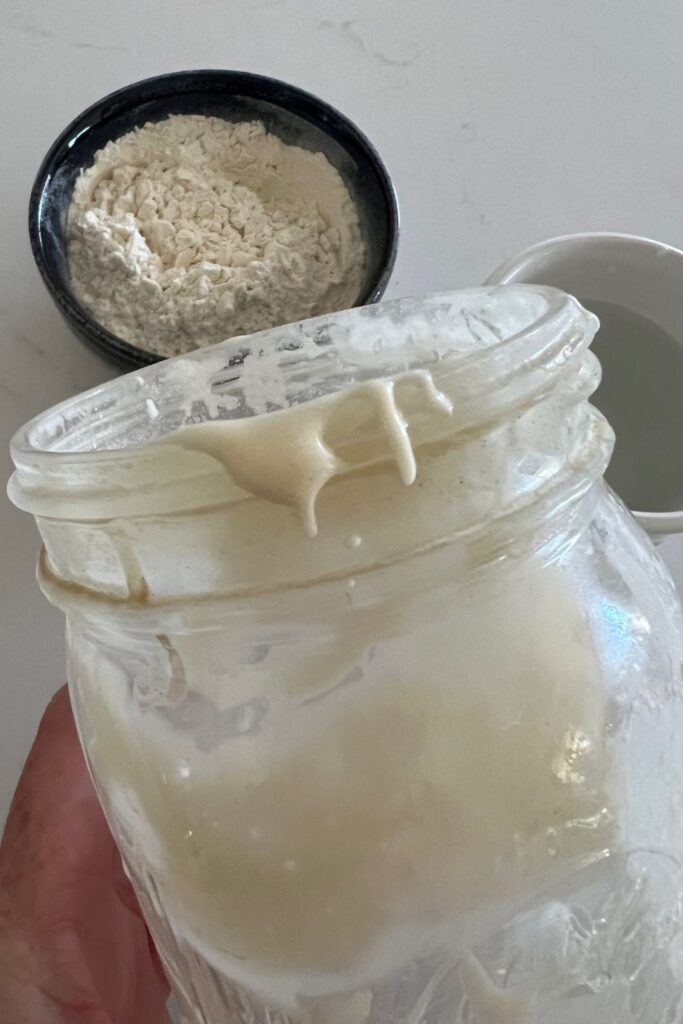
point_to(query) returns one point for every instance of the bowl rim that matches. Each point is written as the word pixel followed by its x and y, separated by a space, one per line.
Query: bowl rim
pixel 259 87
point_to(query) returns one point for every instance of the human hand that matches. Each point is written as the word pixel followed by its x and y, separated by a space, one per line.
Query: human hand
pixel 73 946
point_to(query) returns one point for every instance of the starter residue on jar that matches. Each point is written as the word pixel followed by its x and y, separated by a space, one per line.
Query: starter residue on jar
pixel 287 457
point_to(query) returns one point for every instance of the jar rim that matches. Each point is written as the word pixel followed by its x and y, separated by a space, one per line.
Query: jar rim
pixel 74 437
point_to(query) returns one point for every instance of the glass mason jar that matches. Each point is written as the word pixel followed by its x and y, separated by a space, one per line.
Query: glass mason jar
pixel 379 684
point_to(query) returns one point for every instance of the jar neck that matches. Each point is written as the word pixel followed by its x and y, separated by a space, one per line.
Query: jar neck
pixel 496 427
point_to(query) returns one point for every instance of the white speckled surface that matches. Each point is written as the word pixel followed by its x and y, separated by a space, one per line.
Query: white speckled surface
pixel 502 124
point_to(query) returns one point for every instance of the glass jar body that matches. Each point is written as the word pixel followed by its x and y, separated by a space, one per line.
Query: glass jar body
pixel 424 766
pixel 448 788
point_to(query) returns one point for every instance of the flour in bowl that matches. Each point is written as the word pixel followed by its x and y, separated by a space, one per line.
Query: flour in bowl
pixel 193 229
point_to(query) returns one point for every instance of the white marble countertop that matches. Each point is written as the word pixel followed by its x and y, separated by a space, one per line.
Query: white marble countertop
pixel 502 123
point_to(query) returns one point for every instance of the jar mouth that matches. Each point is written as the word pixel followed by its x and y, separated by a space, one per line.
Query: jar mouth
pixel 489 344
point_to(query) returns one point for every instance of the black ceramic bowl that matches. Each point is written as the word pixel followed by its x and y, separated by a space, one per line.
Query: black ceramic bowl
pixel 296 116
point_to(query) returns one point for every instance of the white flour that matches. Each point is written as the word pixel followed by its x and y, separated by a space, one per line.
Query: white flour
pixel 193 229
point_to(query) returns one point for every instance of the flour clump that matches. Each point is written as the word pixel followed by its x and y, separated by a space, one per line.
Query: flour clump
pixel 193 229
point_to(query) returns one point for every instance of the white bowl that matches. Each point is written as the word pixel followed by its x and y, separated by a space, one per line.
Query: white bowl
pixel 644 278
